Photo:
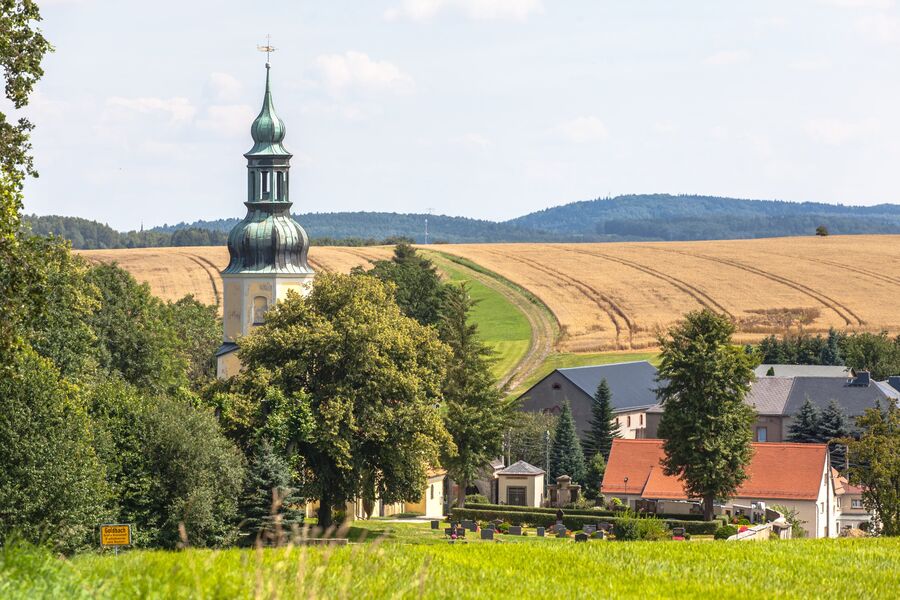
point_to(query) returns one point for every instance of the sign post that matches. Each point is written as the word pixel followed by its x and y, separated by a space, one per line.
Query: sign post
pixel 115 535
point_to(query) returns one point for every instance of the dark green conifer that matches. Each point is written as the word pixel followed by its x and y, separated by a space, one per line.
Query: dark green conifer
pixel 805 427
pixel 603 424
pixel 566 456
pixel 269 506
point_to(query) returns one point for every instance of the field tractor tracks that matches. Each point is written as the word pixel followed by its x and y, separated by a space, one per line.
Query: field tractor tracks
pixel 211 270
pixel 317 265
pixel 694 292
pixel 849 268
pixel 623 323
pixel 843 311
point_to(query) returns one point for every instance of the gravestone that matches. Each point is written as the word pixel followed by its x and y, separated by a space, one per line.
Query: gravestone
pixel 461 532
pixel 678 532
pixel 561 533
pixel 487 533
pixel 560 528
pixel 599 535
pixel 515 530
pixel 470 525
pixel 435 524
pixel 581 537
pixel 540 532
pixel 450 531
pixel 589 529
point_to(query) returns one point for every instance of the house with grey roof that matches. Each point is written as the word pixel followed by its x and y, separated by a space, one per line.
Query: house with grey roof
pixel 631 384
pixel 778 399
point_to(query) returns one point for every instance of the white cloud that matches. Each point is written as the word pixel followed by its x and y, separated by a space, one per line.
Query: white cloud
pixel 179 110
pixel 835 132
pixel 727 57
pixel 861 3
pixel 473 140
pixel 356 70
pixel 809 64
pixel 880 28
pixel 583 129
pixel 425 10
pixel 228 119
pixel 222 88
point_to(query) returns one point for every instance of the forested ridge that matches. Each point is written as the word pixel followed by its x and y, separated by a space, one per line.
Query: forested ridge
pixel 648 217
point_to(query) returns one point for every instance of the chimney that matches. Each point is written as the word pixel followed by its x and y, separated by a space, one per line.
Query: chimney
pixel 894 382
pixel 862 379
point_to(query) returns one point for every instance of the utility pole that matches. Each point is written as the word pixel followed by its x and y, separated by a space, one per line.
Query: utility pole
pixel 428 211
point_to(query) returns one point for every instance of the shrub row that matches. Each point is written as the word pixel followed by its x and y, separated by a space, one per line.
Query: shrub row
pixel 572 522
pixel 576 512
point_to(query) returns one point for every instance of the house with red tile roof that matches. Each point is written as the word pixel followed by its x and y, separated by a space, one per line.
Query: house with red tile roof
pixel 797 476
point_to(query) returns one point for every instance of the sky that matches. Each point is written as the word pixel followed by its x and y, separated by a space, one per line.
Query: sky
pixel 479 108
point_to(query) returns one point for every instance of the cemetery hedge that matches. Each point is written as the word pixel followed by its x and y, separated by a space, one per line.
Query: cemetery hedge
pixel 572 522
pixel 575 511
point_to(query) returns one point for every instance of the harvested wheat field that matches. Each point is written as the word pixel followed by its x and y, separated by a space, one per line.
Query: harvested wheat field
pixel 175 272
pixel 615 296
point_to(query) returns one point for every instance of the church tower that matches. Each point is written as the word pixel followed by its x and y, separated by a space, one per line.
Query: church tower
pixel 268 248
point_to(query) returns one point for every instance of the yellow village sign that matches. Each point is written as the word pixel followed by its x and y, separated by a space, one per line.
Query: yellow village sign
pixel 115 535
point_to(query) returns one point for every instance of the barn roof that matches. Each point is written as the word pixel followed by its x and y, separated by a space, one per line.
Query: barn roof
pixel 632 384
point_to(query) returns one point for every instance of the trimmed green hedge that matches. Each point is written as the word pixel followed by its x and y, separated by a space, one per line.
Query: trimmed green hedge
pixel 572 522
pixel 578 512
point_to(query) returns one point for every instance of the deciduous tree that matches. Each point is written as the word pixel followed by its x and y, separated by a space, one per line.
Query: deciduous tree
pixel 706 426
pixel 357 390
pixel 875 465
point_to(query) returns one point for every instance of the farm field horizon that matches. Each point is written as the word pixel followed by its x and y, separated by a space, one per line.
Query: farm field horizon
pixel 615 296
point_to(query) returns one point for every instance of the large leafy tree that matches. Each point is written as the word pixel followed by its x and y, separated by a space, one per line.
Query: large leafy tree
pixel 355 390
pixel 530 438
pixel 169 465
pixel 806 424
pixel 706 426
pixel 418 289
pixel 566 456
pixel 604 428
pixel 878 353
pixel 52 485
pixel 875 465
pixel 21 51
pixel 476 415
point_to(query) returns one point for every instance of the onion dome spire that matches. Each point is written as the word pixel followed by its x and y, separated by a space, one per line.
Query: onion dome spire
pixel 268 240
pixel 268 129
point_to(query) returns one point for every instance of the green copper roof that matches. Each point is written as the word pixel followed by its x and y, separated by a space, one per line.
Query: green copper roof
pixel 268 130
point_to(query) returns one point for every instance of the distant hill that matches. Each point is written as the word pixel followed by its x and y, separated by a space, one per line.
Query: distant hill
pixel 666 217
pixel 623 218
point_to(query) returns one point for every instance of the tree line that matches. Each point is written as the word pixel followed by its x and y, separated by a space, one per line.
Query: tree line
pixel 878 353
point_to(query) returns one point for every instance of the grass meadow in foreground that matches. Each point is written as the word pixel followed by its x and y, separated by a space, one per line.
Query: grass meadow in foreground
pixel 846 568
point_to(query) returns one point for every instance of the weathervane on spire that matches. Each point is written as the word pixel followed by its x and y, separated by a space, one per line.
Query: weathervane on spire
pixel 268 48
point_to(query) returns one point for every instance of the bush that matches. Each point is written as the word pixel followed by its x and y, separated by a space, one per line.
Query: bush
pixel 635 528
pixel 591 512
pixel 573 522
pixel 724 532
pixel 476 499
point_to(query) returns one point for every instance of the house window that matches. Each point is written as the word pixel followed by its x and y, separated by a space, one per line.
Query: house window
pixel 762 434
pixel 641 417
pixel 617 421
pixel 260 306
pixel 556 386
pixel 856 503
pixel 629 420
pixel 432 491
pixel 516 496
pixel 821 508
